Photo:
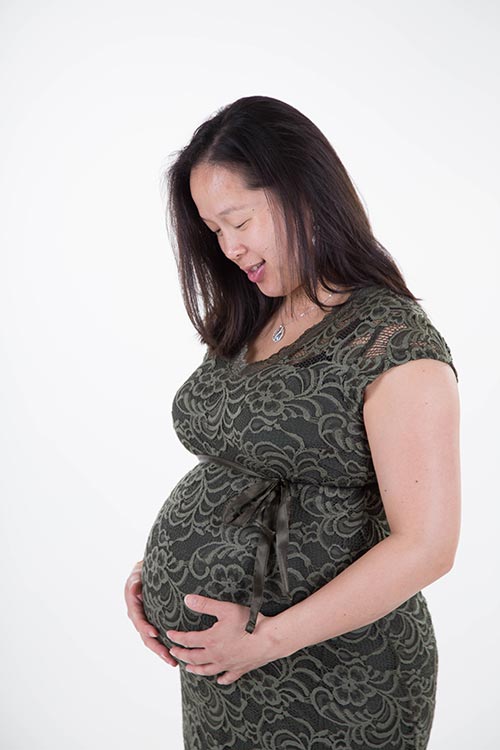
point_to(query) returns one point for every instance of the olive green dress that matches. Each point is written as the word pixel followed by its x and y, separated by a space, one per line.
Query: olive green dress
pixel 282 499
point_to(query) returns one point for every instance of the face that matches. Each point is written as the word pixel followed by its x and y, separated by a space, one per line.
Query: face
pixel 243 223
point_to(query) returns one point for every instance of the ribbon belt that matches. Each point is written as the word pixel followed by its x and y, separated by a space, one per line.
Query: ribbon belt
pixel 265 503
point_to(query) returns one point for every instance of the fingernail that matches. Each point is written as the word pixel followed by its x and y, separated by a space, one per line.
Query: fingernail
pixel 153 633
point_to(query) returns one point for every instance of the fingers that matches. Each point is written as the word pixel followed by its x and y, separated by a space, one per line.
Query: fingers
pixel 209 606
pixel 212 669
pixel 193 659
pixel 149 633
pixel 135 611
pixel 203 669
pixel 228 677
pixel 159 649
pixel 192 656
pixel 136 614
pixel 133 583
pixel 192 638
pixel 134 599
pixel 135 576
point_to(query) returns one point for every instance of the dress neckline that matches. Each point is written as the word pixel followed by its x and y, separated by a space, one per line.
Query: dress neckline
pixel 240 358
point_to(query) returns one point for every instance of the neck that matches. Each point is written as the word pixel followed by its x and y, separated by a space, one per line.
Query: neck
pixel 297 302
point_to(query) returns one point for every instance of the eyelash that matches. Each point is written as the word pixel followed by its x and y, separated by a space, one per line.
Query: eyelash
pixel 238 227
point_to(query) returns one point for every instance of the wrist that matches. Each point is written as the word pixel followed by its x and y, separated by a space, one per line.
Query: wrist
pixel 279 642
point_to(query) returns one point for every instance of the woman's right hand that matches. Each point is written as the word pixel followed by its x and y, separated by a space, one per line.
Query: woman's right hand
pixel 135 610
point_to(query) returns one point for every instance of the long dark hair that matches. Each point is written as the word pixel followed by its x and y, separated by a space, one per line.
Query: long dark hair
pixel 274 147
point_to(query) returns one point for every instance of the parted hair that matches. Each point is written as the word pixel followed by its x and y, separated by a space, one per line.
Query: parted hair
pixel 274 147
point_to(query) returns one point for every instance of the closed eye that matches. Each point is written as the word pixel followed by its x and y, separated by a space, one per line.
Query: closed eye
pixel 238 227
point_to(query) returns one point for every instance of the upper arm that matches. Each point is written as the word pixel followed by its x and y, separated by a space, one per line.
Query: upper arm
pixel 411 414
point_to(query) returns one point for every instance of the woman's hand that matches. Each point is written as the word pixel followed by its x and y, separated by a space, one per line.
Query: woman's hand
pixel 135 610
pixel 225 646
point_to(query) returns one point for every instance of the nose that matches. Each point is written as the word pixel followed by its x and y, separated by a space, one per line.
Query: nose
pixel 233 247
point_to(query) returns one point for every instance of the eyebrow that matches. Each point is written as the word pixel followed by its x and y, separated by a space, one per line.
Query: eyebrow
pixel 228 211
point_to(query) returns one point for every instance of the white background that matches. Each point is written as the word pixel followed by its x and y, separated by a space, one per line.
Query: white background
pixel 95 340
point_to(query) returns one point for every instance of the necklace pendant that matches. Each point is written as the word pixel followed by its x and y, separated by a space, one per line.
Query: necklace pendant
pixel 279 333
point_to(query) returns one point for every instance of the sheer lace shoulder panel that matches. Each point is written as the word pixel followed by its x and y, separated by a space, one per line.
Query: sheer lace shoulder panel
pixel 388 345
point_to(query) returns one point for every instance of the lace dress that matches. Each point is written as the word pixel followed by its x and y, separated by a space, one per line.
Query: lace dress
pixel 282 499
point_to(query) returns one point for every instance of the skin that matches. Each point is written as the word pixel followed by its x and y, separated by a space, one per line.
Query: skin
pixel 246 236
pixel 249 235
pixel 411 415
pixel 135 611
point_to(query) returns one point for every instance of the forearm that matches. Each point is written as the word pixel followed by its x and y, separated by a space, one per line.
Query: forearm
pixel 375 584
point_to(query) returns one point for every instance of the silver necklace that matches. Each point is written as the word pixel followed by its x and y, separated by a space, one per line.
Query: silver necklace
pixel 280 331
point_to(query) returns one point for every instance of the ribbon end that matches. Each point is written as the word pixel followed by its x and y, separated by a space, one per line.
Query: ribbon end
pixel 250 626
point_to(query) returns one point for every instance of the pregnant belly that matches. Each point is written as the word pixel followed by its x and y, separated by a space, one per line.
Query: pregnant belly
pixel 190 550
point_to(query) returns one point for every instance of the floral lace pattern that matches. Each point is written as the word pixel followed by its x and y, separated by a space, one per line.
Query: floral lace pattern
pixel 297 415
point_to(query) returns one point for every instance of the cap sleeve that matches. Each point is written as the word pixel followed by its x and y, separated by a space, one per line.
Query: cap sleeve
pixel 410 336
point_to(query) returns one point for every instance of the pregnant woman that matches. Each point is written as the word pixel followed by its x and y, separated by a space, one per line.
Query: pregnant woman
pixel 283 573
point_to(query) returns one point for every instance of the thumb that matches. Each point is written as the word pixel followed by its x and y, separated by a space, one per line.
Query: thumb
pixel 228 677
pixel 204 604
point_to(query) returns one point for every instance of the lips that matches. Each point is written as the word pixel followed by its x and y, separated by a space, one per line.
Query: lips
pixel 247 269
pixel 257 274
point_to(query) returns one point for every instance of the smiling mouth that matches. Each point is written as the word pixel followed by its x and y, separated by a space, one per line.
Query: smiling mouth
pixel 257 266
pixel 256 275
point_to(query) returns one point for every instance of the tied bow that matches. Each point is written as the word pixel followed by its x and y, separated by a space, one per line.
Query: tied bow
pixel 265 503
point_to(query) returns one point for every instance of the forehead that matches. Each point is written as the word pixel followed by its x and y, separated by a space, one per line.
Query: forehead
pixel 214 179
pixel 218 191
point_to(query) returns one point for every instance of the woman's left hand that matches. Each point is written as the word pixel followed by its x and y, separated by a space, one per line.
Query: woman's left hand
pixel 225 646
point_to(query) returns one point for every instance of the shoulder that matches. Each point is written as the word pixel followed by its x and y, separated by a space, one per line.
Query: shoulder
pixel 373 308
pixel 385 329
pixel 398 327
pixel 381 305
